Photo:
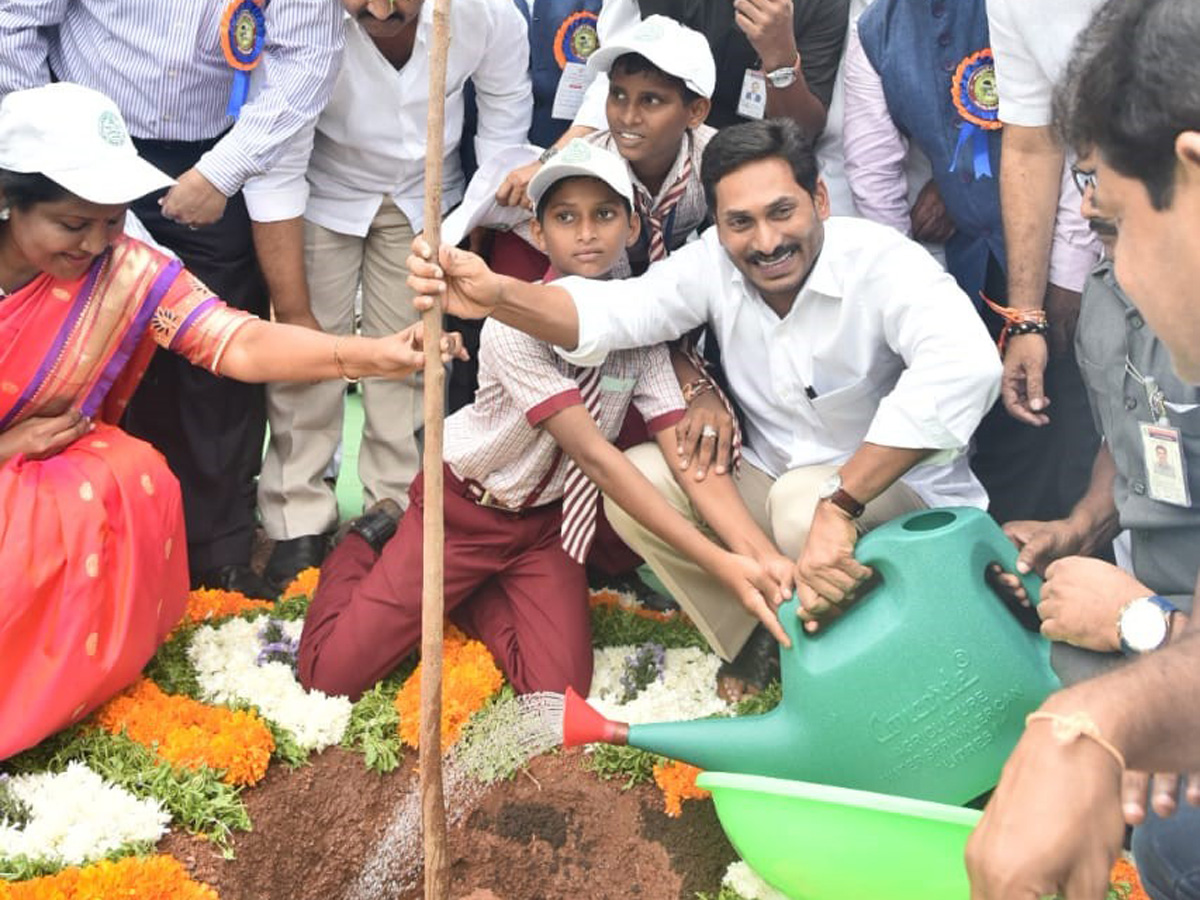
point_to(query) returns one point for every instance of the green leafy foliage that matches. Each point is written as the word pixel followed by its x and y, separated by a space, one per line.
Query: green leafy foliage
pixel 374 727
pixel 612 761
pixel 726 893
pixel 170 668
pixel 196 799
pixel 290 609
pixel 22 868
pixel 614 627
pixel 762 702
pixel 14 813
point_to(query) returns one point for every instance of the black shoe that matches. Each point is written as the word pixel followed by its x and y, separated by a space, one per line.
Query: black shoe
pixel 756 665
pixel 239 578
pixel 630 583
pixel 292 556
pixel 375 526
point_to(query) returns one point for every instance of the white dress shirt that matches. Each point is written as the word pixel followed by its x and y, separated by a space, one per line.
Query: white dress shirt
pixel 880 345
pixel 369 143
pixel 161 63
pixel 1032 44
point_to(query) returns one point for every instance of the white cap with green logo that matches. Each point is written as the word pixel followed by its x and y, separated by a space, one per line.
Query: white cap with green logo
pixel 76 137
pixel 579 158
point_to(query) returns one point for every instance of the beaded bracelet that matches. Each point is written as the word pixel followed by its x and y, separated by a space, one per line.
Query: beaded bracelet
pixel 1017 321
pixel 1015 329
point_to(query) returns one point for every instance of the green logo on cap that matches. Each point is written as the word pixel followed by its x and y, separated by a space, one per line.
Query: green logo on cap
pixel 650 31
pixel 575 152
pixel 111 129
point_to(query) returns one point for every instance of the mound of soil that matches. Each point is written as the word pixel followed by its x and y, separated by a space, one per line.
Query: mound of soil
pixel 554 831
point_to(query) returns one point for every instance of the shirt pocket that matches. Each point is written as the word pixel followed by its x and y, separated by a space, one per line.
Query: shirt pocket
pixel 846 413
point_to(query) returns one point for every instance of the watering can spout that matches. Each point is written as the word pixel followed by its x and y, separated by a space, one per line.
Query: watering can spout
pixel 584 725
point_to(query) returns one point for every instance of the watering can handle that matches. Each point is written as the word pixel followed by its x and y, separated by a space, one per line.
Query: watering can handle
pixel 1006 557
pixel 792 623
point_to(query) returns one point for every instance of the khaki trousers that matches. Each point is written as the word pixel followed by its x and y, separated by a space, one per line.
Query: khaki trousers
pixel 783 509
pixel 306 419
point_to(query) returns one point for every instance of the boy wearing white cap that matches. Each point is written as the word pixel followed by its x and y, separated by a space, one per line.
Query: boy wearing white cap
pixel 524 467
pixel 661 77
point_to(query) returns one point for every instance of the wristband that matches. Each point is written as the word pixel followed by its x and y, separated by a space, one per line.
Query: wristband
pixel 694 389
pixel 1068 728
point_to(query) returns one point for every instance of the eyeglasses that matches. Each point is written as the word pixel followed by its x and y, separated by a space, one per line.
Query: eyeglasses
pixel 1083 180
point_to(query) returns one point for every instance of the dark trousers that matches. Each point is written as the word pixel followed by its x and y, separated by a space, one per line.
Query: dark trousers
pixel 1033 472
pixel 210 429
pixel 508 583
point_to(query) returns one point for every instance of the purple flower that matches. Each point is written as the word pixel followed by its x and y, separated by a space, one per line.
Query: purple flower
pixel 647 663
pixel 276 645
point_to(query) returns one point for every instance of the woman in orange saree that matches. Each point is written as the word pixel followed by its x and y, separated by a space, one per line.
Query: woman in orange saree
pixel 91 527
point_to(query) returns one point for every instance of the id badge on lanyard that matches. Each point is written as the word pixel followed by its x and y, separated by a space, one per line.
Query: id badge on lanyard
pixel 1162 452
pixel 753 102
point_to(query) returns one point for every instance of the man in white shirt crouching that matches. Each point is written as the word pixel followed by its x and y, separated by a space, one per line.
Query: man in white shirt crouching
pixel 342 204
pixel 859 365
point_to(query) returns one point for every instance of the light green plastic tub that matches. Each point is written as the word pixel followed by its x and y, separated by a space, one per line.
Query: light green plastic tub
pixel 815 842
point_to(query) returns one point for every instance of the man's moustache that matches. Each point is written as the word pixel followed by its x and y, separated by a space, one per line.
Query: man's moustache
pixel 366 16
pixel 1102 227
pixel 774 256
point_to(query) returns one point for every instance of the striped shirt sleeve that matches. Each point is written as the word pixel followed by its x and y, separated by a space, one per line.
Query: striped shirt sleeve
pixel 23 43
pixel 301 59
pixel 657 395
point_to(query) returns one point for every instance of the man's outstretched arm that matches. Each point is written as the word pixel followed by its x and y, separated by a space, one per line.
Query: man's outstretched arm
pixel 467 288
pixel 584 317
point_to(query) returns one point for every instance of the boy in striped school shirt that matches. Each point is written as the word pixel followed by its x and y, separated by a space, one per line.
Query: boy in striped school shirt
pixel 526 457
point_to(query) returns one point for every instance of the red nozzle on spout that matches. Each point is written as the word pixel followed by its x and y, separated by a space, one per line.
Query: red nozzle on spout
pixel 583 725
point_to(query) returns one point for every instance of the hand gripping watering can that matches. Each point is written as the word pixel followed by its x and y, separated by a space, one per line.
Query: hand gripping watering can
pixel 920 689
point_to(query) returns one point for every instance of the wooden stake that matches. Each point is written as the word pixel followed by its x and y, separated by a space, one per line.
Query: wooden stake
pixel 433 804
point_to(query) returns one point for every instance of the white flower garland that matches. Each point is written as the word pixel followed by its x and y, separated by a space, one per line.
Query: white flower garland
pixel 225 660
pixel 77 817
pixel 745 882
pixel 686 691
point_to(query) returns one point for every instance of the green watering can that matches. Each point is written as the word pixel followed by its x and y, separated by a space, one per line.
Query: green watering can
pixel 920 689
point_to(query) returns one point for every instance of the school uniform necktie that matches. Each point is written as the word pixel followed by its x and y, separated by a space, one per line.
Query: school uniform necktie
pixel 655 217
pixel 579 494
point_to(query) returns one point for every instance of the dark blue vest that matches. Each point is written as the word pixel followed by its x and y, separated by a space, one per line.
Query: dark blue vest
pixel 916 46
pixel 544 69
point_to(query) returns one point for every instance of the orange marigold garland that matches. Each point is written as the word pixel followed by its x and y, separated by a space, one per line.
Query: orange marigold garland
pixel 677 781
pixel 148 878
pixel 210 604
pixel 190 734
pixel 1124 872
pixel 303 585
pixel 614 600
pixel 469 678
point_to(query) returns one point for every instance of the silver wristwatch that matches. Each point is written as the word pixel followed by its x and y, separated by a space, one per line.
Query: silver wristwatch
pixel 1144 624
pixel 784 78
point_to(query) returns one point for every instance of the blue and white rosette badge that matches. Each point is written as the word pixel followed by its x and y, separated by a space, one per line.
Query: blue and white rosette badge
pixel 973 89
pixel 576 39
pixel 243 31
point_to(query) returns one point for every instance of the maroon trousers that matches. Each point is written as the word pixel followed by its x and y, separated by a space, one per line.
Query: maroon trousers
pixel 508 583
